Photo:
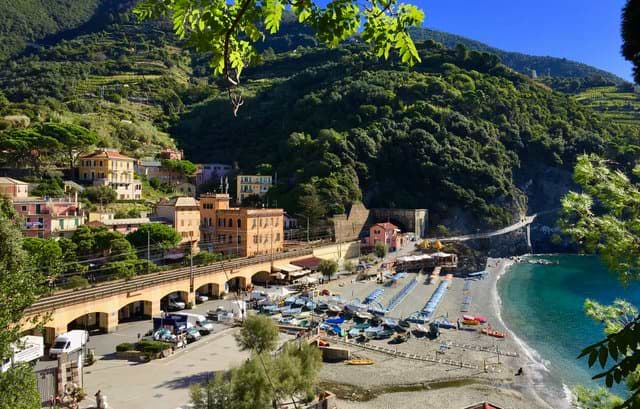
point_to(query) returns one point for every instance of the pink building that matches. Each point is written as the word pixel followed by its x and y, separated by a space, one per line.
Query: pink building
pixel 13 189
pixel 387 234
pixel 52 217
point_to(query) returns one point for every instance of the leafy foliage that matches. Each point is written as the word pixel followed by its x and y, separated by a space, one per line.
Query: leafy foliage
pixel 603 220
pixel 631 35
pixel 328 267
pixel 258 334
pixel 229 30
pixel 158 234
pixel 19 288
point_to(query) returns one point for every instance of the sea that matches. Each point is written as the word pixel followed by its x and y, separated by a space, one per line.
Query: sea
pixel 543 306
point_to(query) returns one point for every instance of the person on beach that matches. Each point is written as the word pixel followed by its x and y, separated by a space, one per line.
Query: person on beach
pixel 458 324
pixel 520 372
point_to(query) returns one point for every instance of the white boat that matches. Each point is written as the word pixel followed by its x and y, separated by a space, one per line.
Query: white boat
pixel 422 329
pixel 363 315
pixel 335 308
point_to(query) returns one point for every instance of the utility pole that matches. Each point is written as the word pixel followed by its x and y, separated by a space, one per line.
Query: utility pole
pixel 148 250
pixel 307 229
pixel 191 262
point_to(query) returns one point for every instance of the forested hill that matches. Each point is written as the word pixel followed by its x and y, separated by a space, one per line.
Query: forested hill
pixel 524 63
pixel 457 134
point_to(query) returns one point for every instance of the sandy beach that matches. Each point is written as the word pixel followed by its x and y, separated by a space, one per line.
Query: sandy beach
pixel 400 382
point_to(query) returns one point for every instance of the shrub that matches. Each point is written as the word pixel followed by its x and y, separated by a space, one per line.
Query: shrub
pixel 124 347
pixel 76 282
pixel 151 346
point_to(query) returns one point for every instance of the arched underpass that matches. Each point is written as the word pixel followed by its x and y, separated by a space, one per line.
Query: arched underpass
pixel 166 301
pixel 94 322
pixel 135 311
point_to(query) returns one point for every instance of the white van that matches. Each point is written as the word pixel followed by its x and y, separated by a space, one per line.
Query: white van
pixel 196 319
pixel 27 349
pixel 68 342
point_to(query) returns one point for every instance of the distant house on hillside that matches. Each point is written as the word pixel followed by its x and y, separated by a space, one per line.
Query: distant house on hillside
pixel 13 188
pixel 108 167
pixel 208 172
pixel 49 218
pixel 183 213
pixel 252 185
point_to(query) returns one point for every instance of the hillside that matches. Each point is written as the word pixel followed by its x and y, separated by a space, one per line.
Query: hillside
pixel 458 134
pixel 523 63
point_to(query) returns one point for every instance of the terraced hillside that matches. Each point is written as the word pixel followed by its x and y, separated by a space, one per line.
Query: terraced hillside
pixel 622 106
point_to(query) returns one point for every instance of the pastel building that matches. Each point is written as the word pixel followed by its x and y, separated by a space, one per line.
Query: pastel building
pixel 183 213
pixel 252 185
pixel 51 217
pixel 110 168
pixel 13 188
pixel 208 172
pixel 240 231
pixel 387 234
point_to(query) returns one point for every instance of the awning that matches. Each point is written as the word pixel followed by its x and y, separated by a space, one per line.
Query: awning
pixel 310 263
pixel 299 273
pixel 288 268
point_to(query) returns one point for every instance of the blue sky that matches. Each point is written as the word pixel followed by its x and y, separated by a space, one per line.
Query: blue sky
pixel 587 30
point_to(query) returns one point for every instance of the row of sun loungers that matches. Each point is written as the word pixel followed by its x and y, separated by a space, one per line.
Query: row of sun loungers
pixel 397 299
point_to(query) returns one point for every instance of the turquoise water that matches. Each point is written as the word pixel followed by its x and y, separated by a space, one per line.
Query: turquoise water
pixel 543 306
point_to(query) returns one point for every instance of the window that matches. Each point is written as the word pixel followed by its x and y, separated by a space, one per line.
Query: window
pixel 254 224
pixel 230 222
pixel 239 223
pixel 230 239
pixel 277 236
pixel 210 222
pixel 239 239
pixel 61 222
pixel 24 208
pixel 255 239
pixel 181 223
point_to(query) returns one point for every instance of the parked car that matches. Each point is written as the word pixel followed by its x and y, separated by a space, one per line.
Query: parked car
pixel 200 298
pixel 193 334
pixel 174 304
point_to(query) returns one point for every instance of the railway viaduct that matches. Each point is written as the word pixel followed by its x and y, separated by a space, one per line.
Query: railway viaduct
pixel 105 305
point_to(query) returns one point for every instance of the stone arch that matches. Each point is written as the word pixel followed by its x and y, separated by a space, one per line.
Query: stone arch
pixel 140 310
pixel 100 322
pixel 261 277
pixel 238 283
pixel 178 294
pixel 212 290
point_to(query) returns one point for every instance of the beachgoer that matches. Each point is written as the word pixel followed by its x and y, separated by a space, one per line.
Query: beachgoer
pixel 458 323
pixel 520 372
pixel 98 396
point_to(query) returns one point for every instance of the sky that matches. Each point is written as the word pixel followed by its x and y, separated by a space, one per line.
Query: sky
pixel 587 31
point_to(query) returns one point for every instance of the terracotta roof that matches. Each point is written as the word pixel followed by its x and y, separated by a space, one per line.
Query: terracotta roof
pixel 310 262
pixel 387 226
pixel 11 181
pixel 106 155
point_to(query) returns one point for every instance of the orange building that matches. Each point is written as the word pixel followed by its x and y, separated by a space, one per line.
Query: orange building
pixel 183 213
pixel 240 231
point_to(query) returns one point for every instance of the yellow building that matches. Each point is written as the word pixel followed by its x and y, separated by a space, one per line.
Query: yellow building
pixel 110 168
pixel 240 231
pixel 250 185
pixel 184 215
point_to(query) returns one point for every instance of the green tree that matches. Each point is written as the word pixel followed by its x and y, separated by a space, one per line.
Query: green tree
pixel 328 268
pixel 157 233
pixel 380 250
pixel 76 282
pixel 258 334
pixel 184 167
pixel 101 195
pixel 19 388
pixel 74 138
pixel 19 288
pixel 631 35
pixel 45 255
pixel 213 394
pixel 603 220
pixel 229 30
pixel 52 187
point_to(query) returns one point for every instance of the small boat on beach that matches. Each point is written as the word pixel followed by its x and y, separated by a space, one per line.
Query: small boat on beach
pixel 420 329
pixel 384 334
pixel 443 322
pixel 363 315
pixel 372 331
pixel 354 332
pixel 337 320
pixel 359 361
pixel 286 312
pixel 471 322
pixel 335 308
pixel 493 333
pixel 478 318
pixel 399 338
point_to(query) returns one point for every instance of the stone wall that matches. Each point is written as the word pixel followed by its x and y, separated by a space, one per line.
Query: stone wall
pixel 351 226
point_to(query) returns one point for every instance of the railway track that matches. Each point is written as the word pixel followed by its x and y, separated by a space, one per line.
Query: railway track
pixel 77 296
